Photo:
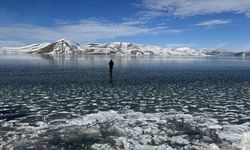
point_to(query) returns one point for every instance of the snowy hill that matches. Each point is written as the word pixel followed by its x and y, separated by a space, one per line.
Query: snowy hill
pixel 243 54
pixel 123 48
pixel 23 49
pixel 59 47
pixel 65 46
pixel 138 49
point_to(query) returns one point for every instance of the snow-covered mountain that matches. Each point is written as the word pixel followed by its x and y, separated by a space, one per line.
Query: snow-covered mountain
pixel 65 46
pixel 243 54
pixel 138 49
pixel 59 47
pixel 123 48
pixel 23 49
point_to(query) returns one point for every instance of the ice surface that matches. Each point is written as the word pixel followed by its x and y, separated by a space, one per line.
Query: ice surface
pixel 130 130
pixel 158 103
pixel 245 141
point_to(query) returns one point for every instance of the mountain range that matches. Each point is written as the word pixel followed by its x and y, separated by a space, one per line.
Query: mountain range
pixel 66 46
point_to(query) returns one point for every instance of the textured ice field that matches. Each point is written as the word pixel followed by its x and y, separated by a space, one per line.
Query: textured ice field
pixel 150 103
pixel 127 130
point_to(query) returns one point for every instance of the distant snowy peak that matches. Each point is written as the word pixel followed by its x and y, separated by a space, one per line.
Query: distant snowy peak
pixel 121 48
pixel 217 52
pixel 243 54
pixel 64 46
pixel 23 49
pixel 139 49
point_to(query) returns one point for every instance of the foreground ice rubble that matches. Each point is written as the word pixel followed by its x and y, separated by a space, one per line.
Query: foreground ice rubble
pixel 131 130
pixel 245 141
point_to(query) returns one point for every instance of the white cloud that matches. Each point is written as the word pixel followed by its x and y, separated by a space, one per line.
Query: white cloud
pixel 246 48
pixel 177 45
pixel 85 30
pixel 213 22
pixel 10 43
pixel 133 21
pixel 184 8
pixel 221 45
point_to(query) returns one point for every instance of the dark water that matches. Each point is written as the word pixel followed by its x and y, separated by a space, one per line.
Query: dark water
pixel 35 89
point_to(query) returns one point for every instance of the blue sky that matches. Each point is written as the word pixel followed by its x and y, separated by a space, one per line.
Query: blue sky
pixel 167 23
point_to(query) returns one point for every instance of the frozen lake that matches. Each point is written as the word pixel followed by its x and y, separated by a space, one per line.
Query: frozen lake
pixel 70 102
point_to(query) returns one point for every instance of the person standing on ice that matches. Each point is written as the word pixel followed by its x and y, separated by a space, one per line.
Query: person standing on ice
pixel 111 65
